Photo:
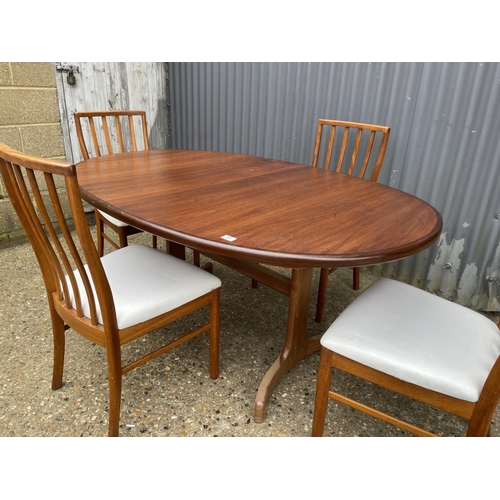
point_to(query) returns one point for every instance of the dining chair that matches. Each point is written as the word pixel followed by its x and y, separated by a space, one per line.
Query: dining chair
pixel 417 344
pixel 109 132
pixel 110 300
pixel 354 149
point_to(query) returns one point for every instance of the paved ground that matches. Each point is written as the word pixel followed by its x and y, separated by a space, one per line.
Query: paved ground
pixel 173 395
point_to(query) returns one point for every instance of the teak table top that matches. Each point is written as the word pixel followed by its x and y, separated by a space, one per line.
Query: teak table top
pixel 280 213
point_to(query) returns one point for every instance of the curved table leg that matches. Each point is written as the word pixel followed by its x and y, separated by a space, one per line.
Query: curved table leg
pixel 297 345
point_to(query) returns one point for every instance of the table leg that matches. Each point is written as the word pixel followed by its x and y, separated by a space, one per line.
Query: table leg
pixel 297 345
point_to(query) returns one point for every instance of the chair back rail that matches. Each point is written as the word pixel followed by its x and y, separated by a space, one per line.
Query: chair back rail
pixel 372 139
pixel 110 132
pixel 61 256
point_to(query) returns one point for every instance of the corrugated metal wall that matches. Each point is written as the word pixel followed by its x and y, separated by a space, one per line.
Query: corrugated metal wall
pixel 444 146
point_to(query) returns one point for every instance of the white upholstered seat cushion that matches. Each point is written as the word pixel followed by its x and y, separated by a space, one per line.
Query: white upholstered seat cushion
pixel 146 282
pixel 113 220
pixel 417 337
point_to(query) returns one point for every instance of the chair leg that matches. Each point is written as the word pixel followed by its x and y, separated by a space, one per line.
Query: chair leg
pixel 115 389
pixel 323 284
pixel 100 230
pixel 155 242
pixel 196 258
pixel 214 313
pixel 355 278
pixel 122 236
pixel 482 415
pixel 58 331
pixel 255 283
pixel 322 388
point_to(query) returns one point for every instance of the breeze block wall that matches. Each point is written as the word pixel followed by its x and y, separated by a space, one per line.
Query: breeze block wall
pixel 29 122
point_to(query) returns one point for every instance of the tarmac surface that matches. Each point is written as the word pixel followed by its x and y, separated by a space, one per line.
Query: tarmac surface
pixel 173 395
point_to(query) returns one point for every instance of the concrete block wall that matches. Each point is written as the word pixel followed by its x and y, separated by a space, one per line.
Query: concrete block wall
pixel 29 122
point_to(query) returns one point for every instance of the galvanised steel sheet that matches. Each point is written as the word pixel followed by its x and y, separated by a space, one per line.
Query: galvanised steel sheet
pixel 444 145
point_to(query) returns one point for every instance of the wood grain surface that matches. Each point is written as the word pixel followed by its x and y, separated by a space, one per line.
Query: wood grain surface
pixel 279 213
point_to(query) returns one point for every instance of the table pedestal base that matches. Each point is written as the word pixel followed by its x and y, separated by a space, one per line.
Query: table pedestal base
pixel 273 376
pixel 297 345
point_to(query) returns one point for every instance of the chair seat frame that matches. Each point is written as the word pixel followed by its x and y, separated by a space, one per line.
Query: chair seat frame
pixel 479 414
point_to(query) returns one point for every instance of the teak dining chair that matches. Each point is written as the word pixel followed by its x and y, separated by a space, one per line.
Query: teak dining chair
pixel 110 300
pixel 417 344
pixel 108 132
pixel 360 151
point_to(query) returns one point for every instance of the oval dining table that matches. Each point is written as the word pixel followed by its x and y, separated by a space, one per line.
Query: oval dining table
pixel 244 211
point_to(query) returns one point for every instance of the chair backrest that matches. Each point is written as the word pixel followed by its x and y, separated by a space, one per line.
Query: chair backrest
pixel 106 132
pixel 65 256
pixel 362 144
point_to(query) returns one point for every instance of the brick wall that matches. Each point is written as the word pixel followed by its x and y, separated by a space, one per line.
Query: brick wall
pixel 29 122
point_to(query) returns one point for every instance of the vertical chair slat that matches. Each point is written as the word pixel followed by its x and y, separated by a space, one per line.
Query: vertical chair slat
pixel 381 156
pixel 68 274
pixel 145 132
pixel 132 132
pixel 40 205
pixel 355 151
pixel 119 133
pixel 367 155
pixel 317 144
pixel 95 141
pixel 107 136
pixel 81 140
pixel 56 242
pixel 329 150
pixel 35 221
pixel 23 204
pixel 343 148
pixel 75 256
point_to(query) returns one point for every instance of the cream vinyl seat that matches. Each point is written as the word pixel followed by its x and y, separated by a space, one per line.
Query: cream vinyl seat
pixel 146 283
pixel 113 220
